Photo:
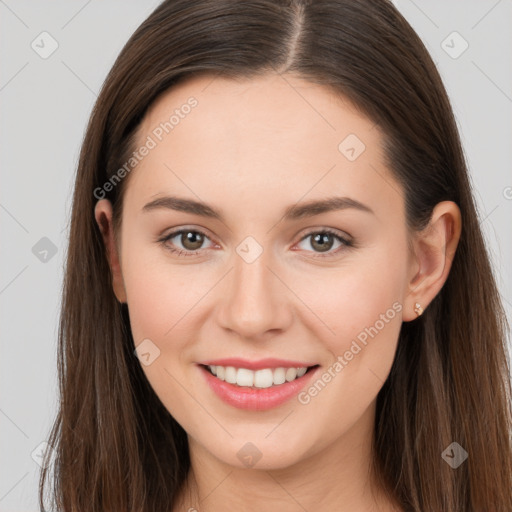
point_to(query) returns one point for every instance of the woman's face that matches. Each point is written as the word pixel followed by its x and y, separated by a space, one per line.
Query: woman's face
pixel 261 278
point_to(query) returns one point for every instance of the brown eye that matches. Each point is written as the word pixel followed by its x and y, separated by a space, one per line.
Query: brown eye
pixel 322 241
pixel 184 242
pixel 192 240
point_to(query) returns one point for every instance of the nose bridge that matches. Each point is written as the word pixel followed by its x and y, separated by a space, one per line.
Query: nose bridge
pixel 255 299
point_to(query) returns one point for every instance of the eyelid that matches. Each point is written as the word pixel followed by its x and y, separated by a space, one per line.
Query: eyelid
pixel 335 232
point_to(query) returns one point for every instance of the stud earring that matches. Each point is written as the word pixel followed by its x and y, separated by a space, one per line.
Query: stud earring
pixel 418 309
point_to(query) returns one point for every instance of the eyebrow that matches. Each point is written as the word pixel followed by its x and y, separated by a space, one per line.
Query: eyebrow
pixel 293 212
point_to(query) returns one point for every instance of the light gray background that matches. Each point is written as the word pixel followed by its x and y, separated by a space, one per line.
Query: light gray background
pixel 45 106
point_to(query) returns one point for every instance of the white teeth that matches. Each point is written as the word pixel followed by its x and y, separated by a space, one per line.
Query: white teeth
pixel 263 378
pixel 260 378
pixel 230 375
pixel 301 372
pixel 244 377
pixel 291 374
pixel 279 376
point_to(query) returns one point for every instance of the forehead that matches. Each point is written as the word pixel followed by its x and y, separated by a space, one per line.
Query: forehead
pixel 270 108
pixel 278 137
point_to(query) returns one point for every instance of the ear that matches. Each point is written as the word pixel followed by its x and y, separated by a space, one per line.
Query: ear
pixel 103 216
pixel 434 249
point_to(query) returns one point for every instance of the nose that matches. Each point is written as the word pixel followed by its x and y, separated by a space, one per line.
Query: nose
pixel 255 299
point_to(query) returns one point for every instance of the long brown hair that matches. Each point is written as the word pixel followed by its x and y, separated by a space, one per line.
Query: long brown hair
pixel 116 447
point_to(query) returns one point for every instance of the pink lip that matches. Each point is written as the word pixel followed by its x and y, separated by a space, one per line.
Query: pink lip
pixel 256 399
pixel 269 362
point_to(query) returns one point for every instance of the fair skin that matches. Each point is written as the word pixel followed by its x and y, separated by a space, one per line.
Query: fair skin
pixel 250 149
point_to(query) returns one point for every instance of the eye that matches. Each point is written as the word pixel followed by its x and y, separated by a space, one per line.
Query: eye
pixel 191 241
pixel 322 241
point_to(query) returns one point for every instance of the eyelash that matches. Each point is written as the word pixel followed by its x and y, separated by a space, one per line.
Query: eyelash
pixel 180 252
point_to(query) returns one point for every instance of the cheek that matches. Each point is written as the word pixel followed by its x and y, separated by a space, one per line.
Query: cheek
pixel 354 297
pixel 153 309
pixel 362 306
pixel 163 302
pixel 161 296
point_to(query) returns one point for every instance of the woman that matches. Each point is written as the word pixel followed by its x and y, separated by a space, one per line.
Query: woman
pixel 277 294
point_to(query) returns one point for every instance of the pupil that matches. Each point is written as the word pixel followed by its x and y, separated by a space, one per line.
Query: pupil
pixel 323 240
pixel 192 238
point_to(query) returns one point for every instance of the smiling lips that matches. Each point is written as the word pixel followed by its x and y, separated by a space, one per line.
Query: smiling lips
pixel 258 379
pixel 256 385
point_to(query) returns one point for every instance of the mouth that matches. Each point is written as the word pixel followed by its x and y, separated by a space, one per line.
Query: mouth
pixel 257 379
pixel 256 390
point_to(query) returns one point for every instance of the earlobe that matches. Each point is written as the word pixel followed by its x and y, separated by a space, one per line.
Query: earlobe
pixel 103 215
pixel 434 251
